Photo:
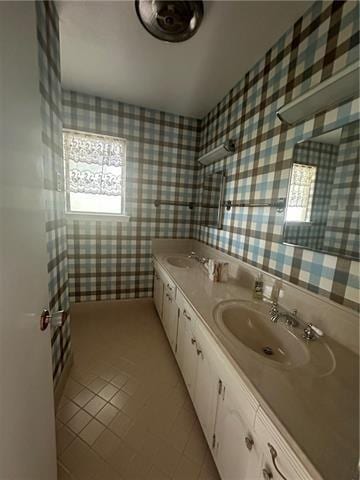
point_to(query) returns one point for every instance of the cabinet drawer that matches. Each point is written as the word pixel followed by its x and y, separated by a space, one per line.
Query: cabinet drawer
pixel 165 278
pixel 273 443
pixel 185 309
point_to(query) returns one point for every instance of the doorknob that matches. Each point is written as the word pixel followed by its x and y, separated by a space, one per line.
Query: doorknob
pixel 56 319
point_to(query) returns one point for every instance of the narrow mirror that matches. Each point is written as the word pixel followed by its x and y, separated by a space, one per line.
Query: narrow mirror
pixel 212 199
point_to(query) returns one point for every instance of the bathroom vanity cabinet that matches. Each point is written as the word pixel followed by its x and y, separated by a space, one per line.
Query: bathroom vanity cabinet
pixel 241 437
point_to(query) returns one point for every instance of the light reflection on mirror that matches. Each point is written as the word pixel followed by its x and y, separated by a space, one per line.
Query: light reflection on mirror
pixel 301 193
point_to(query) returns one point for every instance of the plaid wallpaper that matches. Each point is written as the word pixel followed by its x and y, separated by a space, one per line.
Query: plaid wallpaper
pixel 324 157
pixel 345 198
pixel 109 259
pixel 113 260
pixel 320 43
pixel 50 89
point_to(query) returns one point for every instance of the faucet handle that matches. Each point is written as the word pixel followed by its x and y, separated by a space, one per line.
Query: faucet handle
pixel 310 331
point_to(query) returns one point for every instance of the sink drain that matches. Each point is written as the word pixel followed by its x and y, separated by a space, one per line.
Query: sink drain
pixel 268 351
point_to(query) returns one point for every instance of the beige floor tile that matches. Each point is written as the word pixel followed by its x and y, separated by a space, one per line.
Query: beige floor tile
pixel 72 388
pixel 196 447
pixel 67 411
pixel 107 414
pixel 120 399
pixel 208 469
pixel 167 458
pixel 120 380
pixel 79 421
pixel 106 444
pixel 187 469
pixel 109 372
pixel 92 431
pixel 120 425
pixel 156 474
pixel 97 385
pixel 143 425
pixel 138 468
pixel 130 387
pixel 95 405
pixel 80 460
pixel 83 397
pixel 108 392
pixel 64 436
pixel 63 473
pixel 121 459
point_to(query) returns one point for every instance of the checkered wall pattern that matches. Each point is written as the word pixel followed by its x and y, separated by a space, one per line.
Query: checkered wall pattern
pixel 320 43
pixel 111 259
pixel 323 157
pixel 50 90
pixel 345 198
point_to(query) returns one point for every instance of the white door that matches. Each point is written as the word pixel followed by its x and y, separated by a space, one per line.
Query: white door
pixel 206 387
pixel 158 293
pixel 27 425
pixel 237 455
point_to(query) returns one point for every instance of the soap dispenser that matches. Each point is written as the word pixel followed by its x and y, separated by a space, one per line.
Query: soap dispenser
pixel 258 287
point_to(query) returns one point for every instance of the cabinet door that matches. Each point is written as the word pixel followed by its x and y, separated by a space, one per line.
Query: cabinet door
pixel 236 452
pixel 158 293
pixel 189 354
pixel 206 387
pixel 171 320
pixel 276 449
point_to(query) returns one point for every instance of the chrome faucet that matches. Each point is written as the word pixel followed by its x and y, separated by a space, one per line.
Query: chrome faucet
pixel 274 312
pixel 290 318
pixel 195 256
pixel 311 332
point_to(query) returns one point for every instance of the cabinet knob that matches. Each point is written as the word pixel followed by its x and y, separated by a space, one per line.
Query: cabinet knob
pixel 249 442
pixel 267 474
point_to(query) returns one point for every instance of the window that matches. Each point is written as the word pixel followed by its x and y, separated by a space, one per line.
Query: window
pixel 301 193
pixel 95 173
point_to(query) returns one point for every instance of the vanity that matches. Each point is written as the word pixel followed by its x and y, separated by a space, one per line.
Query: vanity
pixel 272 405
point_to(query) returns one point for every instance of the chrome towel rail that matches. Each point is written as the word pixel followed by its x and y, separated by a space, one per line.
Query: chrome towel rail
pixel 190 205
pixel 278 204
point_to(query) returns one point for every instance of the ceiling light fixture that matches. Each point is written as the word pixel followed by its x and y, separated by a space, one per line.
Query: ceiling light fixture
pixel 171 21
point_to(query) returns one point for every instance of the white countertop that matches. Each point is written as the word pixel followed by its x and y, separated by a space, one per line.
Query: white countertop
pixel 316 414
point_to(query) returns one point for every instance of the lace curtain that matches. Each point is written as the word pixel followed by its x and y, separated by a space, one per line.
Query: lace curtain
pixel 94 163
pixel 302 185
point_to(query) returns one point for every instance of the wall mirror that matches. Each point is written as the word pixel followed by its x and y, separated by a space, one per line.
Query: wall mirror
pixel 212 199
pixel 322 208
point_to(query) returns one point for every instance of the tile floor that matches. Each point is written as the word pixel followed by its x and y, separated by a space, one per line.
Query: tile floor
pixel 125 413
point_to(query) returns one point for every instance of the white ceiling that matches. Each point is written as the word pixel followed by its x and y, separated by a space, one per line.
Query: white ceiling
pixel 105 51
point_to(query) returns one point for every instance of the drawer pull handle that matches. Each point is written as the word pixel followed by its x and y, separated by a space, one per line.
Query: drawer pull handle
pixel 266 474
pixel 169 287
pixel 199 352
pixel 186 315
pixel 193 341
pixel 249 443
pixel 273 453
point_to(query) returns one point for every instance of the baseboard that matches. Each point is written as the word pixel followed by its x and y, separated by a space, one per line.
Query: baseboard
pixel 62 380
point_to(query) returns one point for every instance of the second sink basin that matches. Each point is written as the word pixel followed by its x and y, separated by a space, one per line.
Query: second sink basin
pixel 248 322
pixel 180 261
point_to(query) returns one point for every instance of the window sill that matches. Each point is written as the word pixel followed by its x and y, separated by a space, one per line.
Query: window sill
pixel 98 216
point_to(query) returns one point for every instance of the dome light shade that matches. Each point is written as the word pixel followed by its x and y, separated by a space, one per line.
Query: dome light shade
pixel 171 21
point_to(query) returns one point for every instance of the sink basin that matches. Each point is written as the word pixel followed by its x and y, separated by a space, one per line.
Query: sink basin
pixel 248 322
pixel 180 262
